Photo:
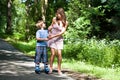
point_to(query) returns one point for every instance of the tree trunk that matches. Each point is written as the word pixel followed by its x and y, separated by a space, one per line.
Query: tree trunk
pixel 36 10
pixel 87 3
pixel 9 24
pixel 27 22
pixel 44 4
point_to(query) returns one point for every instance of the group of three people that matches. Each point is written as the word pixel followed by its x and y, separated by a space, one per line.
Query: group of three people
pixel 52 38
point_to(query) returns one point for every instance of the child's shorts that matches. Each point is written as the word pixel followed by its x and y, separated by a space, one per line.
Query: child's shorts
pixel 41 54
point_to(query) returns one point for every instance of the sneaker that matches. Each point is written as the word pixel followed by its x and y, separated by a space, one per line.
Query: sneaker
pixel 37 70
pixel 46 69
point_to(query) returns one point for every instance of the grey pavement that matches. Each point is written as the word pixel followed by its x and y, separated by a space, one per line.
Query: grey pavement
pixel 14 65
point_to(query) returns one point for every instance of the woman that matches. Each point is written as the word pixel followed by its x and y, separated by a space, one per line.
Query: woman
pixel 57 28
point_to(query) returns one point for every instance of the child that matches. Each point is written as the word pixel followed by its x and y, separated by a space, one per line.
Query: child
pixel 41 47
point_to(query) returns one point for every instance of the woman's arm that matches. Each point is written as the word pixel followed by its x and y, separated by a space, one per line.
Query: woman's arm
pixel 41 39
pixel 63 30
pixel 53 21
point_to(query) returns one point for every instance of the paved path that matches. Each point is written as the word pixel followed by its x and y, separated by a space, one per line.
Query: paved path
pixel 15 66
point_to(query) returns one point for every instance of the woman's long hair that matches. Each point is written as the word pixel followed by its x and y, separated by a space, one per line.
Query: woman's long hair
pixel 62 13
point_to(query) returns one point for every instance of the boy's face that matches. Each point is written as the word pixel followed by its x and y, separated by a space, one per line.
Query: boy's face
pixel 43 25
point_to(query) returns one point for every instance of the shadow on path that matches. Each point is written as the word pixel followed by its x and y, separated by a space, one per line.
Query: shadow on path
pixel 16 66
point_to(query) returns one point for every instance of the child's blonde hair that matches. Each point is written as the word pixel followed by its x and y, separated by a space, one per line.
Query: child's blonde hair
pixel 39 24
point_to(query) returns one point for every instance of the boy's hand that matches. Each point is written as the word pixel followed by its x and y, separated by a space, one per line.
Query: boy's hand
pixel 46 39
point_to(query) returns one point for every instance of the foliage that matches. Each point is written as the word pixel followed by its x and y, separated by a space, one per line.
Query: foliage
pixel 20 18
pixel 80 23
pixel 98 18
pixel 96 52
pixel 87 18
pixel 102 16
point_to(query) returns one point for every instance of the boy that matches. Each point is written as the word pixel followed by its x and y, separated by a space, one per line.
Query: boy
pixel 41 47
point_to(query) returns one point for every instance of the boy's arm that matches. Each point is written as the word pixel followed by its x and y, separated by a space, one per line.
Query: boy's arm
pixel 38 37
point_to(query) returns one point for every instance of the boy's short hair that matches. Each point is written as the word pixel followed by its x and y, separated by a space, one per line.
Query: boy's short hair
pixel 38 24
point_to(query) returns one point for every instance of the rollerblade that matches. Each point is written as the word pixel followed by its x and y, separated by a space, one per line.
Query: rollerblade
pixel 37 70
pixel 46 69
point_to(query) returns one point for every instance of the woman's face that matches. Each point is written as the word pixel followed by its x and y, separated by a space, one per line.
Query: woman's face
pixel 58 16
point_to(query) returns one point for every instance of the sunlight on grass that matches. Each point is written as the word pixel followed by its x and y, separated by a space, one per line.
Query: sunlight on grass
pixel 31 53
pixel 105 73
pixel 26 47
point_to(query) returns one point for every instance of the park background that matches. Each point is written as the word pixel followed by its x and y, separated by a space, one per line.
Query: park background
pixel 92 39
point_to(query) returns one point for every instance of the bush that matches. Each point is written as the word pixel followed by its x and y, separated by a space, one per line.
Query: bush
pixel 72 50
pixel 96 52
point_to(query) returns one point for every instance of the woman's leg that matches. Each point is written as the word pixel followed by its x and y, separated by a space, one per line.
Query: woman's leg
pixel 59 61
pixel 52 59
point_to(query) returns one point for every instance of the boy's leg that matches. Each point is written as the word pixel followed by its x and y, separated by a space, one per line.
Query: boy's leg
pixel 37 59
pixel 45 59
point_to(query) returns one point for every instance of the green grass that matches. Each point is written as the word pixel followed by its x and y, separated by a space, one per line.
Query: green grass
pixel 105 73
pixel 99 72
pixel 26 47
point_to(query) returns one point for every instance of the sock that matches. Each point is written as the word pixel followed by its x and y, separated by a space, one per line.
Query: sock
pixel 36 64
pixel 45 65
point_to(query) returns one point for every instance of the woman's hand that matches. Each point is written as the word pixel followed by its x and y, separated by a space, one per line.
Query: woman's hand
pixel 50 36
pixel 49 28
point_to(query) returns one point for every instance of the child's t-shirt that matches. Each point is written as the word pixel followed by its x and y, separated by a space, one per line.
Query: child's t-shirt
pixel 41 34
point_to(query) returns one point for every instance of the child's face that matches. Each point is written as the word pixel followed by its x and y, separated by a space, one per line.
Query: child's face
pixel 43 25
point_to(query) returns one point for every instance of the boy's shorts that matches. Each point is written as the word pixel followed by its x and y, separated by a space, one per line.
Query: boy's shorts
pixel 41 54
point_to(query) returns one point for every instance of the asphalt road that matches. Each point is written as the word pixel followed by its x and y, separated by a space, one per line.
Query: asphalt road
pixel 14 65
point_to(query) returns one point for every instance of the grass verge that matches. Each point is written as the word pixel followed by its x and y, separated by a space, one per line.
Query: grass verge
pixel 105 73
pixel 99 72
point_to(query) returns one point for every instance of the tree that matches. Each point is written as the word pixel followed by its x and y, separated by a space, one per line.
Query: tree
pixel 9 23
pixel 35 10
pixel 44 4
pixel 2 15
